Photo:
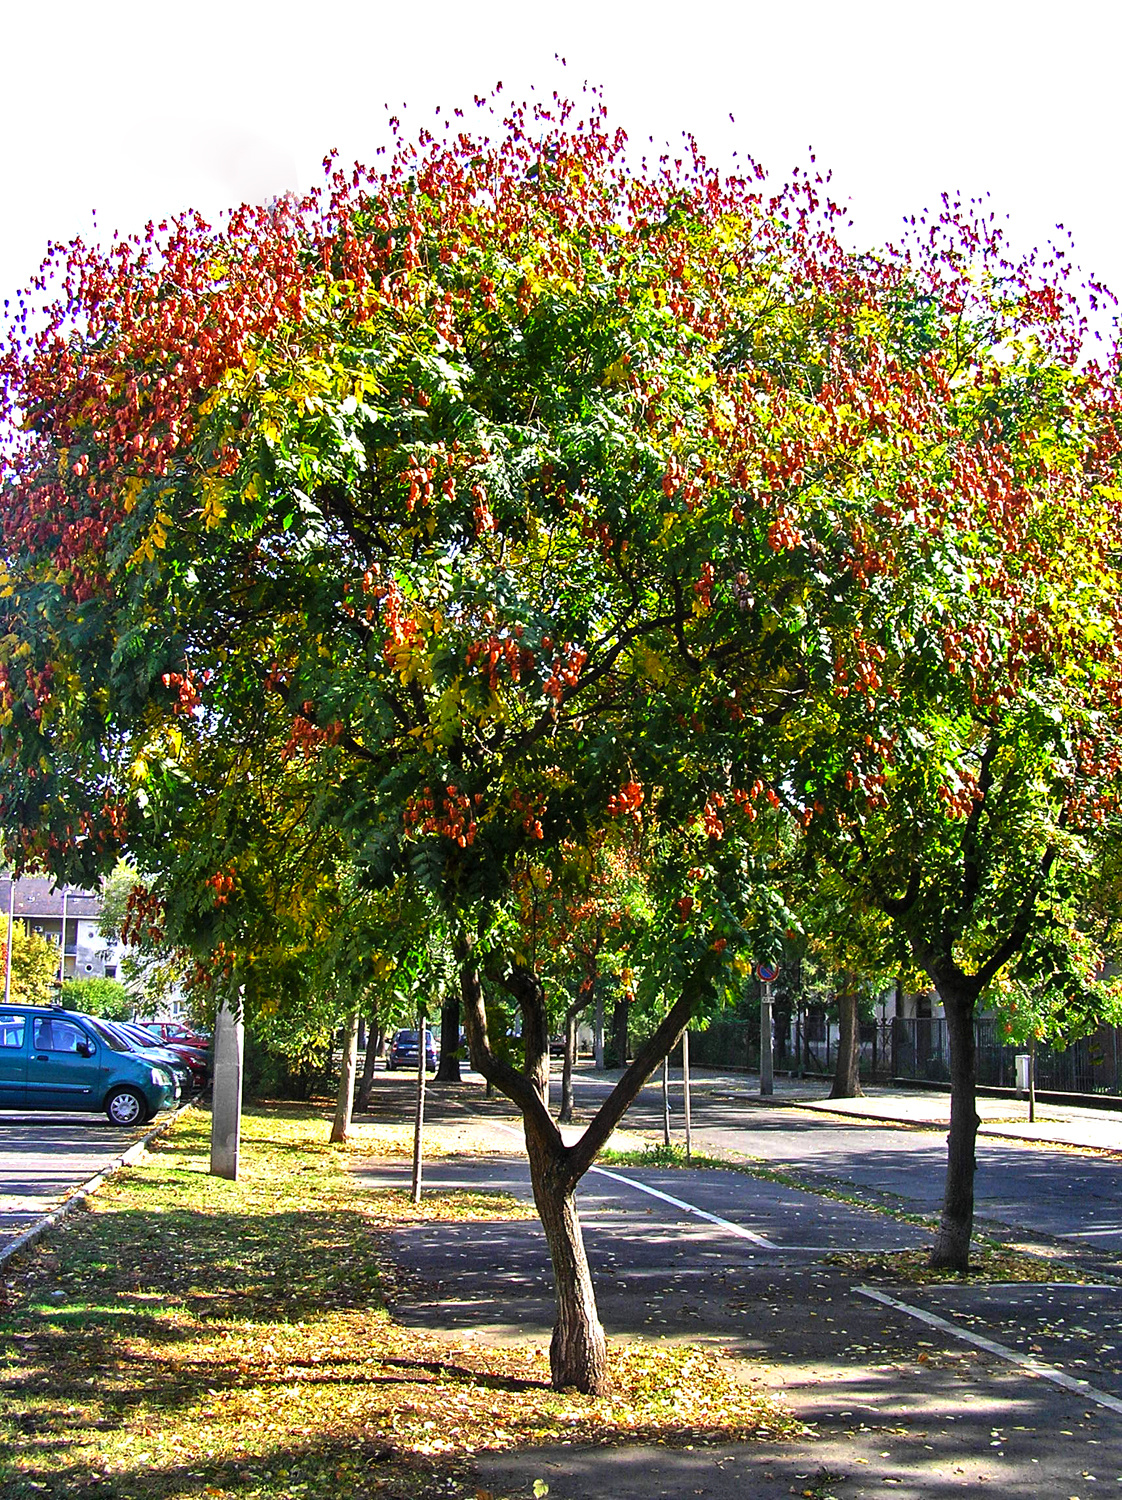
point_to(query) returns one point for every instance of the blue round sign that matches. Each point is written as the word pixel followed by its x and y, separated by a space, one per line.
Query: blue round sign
pixel 767 972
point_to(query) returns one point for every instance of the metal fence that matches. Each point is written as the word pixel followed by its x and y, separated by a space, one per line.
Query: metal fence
pixel 920 1050
pixel 806 1050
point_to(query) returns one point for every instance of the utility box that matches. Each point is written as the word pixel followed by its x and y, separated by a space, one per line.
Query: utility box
pixel 1023 1064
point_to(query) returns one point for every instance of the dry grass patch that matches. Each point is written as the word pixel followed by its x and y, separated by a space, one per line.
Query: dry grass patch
pixel 190 1338
pixel 988 1262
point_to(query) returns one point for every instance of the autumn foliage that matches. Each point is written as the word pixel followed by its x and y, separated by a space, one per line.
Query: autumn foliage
pixel 511 490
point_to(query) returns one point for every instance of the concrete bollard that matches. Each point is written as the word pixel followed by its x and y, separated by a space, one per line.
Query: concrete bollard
pixel 226 1093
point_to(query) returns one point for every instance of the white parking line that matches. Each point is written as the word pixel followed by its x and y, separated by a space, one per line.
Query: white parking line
pixel 679 1203
pixel 689 1208
pixel 1002 1351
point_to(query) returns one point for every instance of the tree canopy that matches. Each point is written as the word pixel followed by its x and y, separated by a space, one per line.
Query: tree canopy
pixel 514 491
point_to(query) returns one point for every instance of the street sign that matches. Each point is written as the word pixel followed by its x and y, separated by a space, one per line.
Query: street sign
pixel 767 972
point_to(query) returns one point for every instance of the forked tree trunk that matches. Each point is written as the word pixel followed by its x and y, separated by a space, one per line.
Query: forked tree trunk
pixel 449 1069
pixel 847 1073
pixel 578 1351
pixel 956 1224
pixel 345 1103
pixel 565 1117
pixel 366 1085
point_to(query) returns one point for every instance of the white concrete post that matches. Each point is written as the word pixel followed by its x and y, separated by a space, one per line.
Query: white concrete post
pixel 226 1092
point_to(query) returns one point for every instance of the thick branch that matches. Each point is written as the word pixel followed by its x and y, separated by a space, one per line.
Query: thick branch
pixel 1022 923
pixel 971 844
pixel 581 1155
pixel 518 1088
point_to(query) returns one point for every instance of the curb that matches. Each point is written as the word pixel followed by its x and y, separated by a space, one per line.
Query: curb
pixel 1005 1134
pixel 126 1159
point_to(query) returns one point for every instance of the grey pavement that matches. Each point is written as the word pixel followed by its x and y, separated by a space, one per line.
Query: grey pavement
pixel 922 1396
pixel 891 1145
pixel 45 1157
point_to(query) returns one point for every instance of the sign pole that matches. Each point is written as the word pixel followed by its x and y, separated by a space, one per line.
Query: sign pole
pixel 767 973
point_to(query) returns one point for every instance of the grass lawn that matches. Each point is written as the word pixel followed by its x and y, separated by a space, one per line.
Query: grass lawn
pixel 191 1337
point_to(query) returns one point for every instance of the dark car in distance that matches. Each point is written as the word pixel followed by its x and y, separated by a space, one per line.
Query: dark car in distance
pixel 402 1050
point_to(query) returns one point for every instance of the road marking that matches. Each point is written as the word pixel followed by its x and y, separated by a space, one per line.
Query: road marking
pixel 689 1208
pixel 1002 1351
pixel 727 1225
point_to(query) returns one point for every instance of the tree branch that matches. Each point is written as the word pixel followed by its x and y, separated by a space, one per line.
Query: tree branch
pixel 518 1088
pixel 582 1154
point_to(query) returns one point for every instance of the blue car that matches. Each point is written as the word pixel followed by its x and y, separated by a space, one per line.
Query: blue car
pixel 402 1050
pixel 57 1059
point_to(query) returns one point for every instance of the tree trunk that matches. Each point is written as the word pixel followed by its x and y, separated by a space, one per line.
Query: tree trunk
pixel 598 1030
pixel 578 1352
pixel 566 1115
pixel 578 1355
pixel 449 1068
pixel 847 1084
pixel 366 1085
pixel 341 1125
pixel 619 1033
pixel 952 1242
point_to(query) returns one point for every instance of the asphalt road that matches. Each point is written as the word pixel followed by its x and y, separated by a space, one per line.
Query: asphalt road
pixel 44 1157
pixel 924 1395
pixel 1039 1189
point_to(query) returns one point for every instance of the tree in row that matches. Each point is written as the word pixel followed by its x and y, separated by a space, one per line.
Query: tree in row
pixel 511 507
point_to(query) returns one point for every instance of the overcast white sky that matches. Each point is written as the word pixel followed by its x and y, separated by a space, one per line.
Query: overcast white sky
pixel 139 109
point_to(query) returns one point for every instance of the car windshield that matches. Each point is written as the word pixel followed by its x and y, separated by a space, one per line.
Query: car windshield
pixel 109 1035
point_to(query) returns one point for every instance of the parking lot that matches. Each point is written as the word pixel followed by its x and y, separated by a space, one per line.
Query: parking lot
pixel 44 1157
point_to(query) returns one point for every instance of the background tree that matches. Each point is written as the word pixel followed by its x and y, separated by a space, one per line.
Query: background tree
pixel 99 997
pixel 34 966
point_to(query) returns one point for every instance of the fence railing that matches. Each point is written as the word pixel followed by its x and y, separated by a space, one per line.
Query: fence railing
pixel 1091 1065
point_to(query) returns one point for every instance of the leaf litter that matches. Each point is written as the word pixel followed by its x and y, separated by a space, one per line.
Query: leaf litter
pixel 192 1337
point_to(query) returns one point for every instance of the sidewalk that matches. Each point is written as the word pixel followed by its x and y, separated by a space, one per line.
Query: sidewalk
pixel 1055 1124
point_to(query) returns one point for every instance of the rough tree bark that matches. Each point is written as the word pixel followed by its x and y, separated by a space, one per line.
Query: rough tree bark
pixel 373 1042
pixel 847 1075
pixel 449 1068
pixel 956 1223
pixel 345 1101
pixel 578 1352
pixel 620 1012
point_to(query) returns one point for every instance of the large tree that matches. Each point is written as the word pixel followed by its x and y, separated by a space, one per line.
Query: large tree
pixel 520 489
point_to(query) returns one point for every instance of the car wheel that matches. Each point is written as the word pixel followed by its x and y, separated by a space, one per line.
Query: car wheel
pixel 126 1107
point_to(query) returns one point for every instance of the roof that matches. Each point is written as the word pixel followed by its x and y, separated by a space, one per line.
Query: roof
pixel 37 896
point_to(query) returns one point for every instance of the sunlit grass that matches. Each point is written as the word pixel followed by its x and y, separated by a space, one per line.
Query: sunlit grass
pixel 192 1337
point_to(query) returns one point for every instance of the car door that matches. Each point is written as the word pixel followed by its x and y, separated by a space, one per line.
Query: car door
pixel 63 1067
pixel 13 1059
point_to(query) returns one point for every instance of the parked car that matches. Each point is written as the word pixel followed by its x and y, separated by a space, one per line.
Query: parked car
pixel 189 1062
pixel 194 1054
pixel 124 1036
pixel 57 1059
pixel 402 1050
pixel 175 1031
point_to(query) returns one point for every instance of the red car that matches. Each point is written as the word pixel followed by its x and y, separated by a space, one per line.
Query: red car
pixel 187 1044
pixel 175 1031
